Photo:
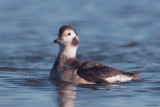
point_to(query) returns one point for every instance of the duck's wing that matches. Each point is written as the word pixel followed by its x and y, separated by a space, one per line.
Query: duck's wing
pixel 89 64
pixel 97 73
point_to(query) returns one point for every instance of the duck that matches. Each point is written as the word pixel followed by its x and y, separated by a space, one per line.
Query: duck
pixel 67 68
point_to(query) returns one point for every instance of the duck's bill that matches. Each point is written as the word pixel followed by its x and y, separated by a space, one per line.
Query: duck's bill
pixel 59 40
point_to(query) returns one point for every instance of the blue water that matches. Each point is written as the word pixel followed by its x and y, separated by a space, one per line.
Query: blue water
pixel 122 34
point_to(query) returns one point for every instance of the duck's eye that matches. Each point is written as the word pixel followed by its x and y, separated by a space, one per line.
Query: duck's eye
pixel 69 34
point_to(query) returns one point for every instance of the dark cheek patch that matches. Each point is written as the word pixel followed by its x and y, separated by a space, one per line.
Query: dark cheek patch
pixel 75 41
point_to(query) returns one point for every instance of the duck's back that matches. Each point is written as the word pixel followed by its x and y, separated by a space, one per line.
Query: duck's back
pixel 99 73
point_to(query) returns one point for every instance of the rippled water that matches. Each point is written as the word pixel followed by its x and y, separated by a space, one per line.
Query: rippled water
pixel 122 34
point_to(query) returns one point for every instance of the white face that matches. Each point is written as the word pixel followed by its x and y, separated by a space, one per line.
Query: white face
pixel 68 36
pixel 68 41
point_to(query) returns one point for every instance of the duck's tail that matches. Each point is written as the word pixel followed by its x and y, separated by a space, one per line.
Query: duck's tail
pixel 135 76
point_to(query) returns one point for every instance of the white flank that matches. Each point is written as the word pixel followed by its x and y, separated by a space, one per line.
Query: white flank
pixel 118 78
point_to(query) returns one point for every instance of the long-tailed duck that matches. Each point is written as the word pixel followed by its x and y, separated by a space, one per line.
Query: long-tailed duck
pixel 67 68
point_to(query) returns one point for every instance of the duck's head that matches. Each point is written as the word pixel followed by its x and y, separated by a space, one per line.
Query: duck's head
pixel 67 37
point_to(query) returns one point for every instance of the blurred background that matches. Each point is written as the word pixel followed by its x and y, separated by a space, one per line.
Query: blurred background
pixel 123 34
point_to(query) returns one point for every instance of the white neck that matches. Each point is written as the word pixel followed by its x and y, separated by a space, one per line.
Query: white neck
pixel 68 51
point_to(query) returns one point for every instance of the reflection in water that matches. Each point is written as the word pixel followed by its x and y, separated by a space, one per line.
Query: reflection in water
pixel 66 94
